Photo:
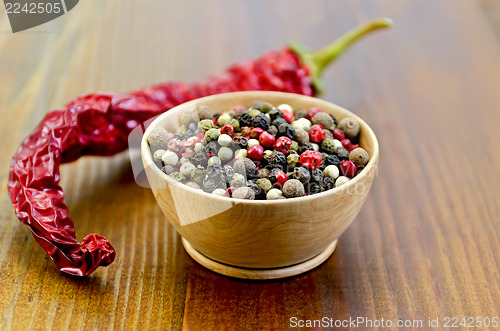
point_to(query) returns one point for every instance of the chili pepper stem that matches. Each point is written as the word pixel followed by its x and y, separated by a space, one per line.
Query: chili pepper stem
pixel 320 59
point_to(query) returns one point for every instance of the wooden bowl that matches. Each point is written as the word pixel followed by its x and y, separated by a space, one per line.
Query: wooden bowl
pixel 259 239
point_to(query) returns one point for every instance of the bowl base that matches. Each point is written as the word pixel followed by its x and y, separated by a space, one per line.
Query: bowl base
pixel 245 273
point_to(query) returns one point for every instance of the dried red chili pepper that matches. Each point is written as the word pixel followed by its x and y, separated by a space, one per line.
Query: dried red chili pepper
pixel 99 124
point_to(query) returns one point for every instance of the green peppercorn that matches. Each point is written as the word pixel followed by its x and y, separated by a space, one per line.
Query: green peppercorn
pixel 177 176
pixel 254 112
pixel 214 161
pixel 181 129
pixel 212 134
pixel 350 127
pixel 205 125
pixel 293 188
pixel 300 114
pixel 244 193
pixel 158 139
pixel 223 119
pixel 292 159
pixel 265 184
pixel 359 156
pixel 328 145
pixel 198 174
pixel 294 146
pixel 266 107
pixel 324 120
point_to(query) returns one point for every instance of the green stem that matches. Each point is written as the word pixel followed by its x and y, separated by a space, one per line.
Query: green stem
pixel 320 59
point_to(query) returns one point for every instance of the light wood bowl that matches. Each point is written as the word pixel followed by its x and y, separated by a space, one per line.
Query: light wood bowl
pixel 259 239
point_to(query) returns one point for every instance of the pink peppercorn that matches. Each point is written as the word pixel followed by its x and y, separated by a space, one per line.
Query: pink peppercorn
pixel 256 132
pixel 313 111
pixel 338 134
pixel 288 116
pixel 346 143
pixel 266 139
pixel 255 152
pixel 352 146
pixel 311 159
pixel 227 129
pixel 316 133
pixel 348 168
pixel 283 144
pixel 281 178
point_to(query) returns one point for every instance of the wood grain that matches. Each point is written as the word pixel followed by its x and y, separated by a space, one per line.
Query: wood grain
pixel 426 243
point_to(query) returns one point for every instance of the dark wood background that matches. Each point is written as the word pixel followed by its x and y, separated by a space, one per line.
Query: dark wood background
pixel 426 243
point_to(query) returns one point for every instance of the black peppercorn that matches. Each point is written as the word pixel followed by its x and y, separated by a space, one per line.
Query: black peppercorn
pixel 342 153
pixel 317 175
pixel 332 160
pixel 245 119
pixel 227 172
pixel 314 188
pixel 199 158
pixel 261 121
pixel 277 122
pixel 256 189
pixel 240 142
pixel 212 147
pixel 286 130
pixel 328 183
pixel 273 130
pixel 306 147
pixel 214 171
pixel 275 113
pixel 300 114
pixel 277 159
pixel 301 174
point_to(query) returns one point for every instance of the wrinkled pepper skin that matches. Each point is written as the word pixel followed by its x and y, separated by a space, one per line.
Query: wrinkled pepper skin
pixel 99 124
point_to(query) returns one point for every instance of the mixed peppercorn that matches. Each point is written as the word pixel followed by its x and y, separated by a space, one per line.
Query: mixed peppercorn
pixel 264 152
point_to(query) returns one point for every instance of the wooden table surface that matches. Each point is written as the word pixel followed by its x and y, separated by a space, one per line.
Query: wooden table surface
pixel 426 243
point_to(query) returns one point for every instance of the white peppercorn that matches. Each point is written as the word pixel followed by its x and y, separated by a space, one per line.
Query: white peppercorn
pixel 240 153
pixel 285 106
pixel 224 140
pixel 220 192
pixel 198 147
pixel 301 136
pixel 214 161
pixel 341 180
pixel 158 154
pixel 187 168
pixel 193 185
pixel 252 142
pixel 225 153
pixel 170 158
pixel 223 119
pixel 237 180
pixel 331 171
pixel 274 194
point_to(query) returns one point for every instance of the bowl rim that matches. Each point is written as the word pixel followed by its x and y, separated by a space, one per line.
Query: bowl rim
pixel 147 156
